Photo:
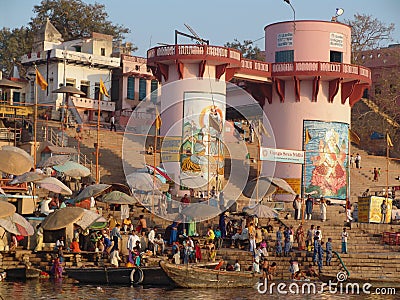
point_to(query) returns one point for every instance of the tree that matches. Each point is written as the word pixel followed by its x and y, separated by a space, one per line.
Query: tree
pixel 368 33
pixel 13 44
pixel 248 49
pixel 74 19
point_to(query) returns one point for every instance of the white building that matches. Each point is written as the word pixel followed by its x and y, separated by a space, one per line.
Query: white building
pixel 79 63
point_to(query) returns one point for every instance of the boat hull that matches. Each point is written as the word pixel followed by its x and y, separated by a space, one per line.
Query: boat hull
pixel 190 276
pixel 23 273
pixel 118 276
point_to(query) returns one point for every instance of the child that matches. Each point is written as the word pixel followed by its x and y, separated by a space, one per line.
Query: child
pixel 197 252
pixel 294 268
pixel 329 252
pixel 237 266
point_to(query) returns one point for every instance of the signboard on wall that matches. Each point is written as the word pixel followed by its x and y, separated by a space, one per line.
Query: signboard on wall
pixel 369 209
pixel 170 149
pixel 284 39
pixel 295 184
pixel 336 40
pixel 282 155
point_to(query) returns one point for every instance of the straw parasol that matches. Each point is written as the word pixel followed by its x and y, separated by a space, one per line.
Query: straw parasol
pixel 72 169
pixel 6 209
pixel 15 161
pixel 17 224
pixel 200 211
pixel 9 84
pixel 63 217
pixel 54 161
pixel 69 90
pixel 88 218
pixel 93 190
pixel 28 177
pixel 54 185
pixel 117 197
pixel 261 211
pixel 143 182
pixel 265 188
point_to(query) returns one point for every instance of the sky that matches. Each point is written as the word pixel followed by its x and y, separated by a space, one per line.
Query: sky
pixel 220 21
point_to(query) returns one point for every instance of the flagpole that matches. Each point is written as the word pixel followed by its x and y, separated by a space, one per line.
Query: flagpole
pixel 98 139
pixel 35 122
pixel 154 166
pixel 387 165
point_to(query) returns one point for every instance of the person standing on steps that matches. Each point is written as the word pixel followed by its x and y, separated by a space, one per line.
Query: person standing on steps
pixel 297 207
pixel 345 235
pixel 329 252
pixel 323 207
pixel 383 211
pixel 358 161
pixel 309 208
pixel 112 124
pixel 376 174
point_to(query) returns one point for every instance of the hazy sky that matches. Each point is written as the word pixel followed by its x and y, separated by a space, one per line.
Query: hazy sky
pixel 219 21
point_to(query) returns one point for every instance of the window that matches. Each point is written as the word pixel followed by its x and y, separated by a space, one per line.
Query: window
pixel 16 98
pixel 97 90
pixel 142 89
pixel 70 82
pixel 284 56
pixel 103 51
pixel 130 93
pixel 153 88
pixel 85 88
pixel 336 56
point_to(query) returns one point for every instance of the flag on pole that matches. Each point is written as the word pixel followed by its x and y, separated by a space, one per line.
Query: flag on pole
pixel 103 89
pixel 389 140
pixel 40 80
pixel 354 138
pixel 158 120
pixel 307 137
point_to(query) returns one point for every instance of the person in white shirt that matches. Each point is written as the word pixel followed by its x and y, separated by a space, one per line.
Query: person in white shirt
pixel 159 243
pixel 237 266
pixel 151 237
pixel 114 258
pixel 132 239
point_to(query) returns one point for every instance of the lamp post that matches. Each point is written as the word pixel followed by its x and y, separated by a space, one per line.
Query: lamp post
pixel 294 15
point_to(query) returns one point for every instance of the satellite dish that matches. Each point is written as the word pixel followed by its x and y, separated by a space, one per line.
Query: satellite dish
pixel 339 11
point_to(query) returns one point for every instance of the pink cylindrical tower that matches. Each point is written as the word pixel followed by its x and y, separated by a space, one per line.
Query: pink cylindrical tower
pixel 193 100
pixel 313 89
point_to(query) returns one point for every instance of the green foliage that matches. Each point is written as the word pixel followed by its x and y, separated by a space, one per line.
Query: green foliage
pixel 13 44
pixel 248 49
pixel 74 19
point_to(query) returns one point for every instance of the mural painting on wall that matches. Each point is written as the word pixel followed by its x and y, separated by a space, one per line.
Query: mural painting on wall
pixel 202 151
pixel 326 146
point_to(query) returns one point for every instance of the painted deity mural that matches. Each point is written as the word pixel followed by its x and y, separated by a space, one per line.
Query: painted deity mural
pixel 326 146
pixel 202 152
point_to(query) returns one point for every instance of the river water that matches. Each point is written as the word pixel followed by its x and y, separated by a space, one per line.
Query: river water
pixel 64 289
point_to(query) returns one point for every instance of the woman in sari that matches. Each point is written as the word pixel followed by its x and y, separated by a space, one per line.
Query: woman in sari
pixel 300 238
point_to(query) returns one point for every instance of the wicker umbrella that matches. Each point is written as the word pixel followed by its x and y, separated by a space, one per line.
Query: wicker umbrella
pixel 73 169
pixel 54 161
pixel 93 190
pixel 9 84
pixel 265 188
pixel 200 211
pixel 54 185
pixel 17 224
pixel 61 218
pixel 143 182
pixel 117 197
pixel 261 211
pixel 28 177
pixel 88 218
pixel 6 209
pixel 15 161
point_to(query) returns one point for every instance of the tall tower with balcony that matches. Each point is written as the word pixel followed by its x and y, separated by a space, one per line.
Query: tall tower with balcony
pixel 313 89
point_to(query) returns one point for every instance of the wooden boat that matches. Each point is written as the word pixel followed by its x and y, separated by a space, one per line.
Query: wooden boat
pixel 154 276
pixel 23 273
pixel 192 276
